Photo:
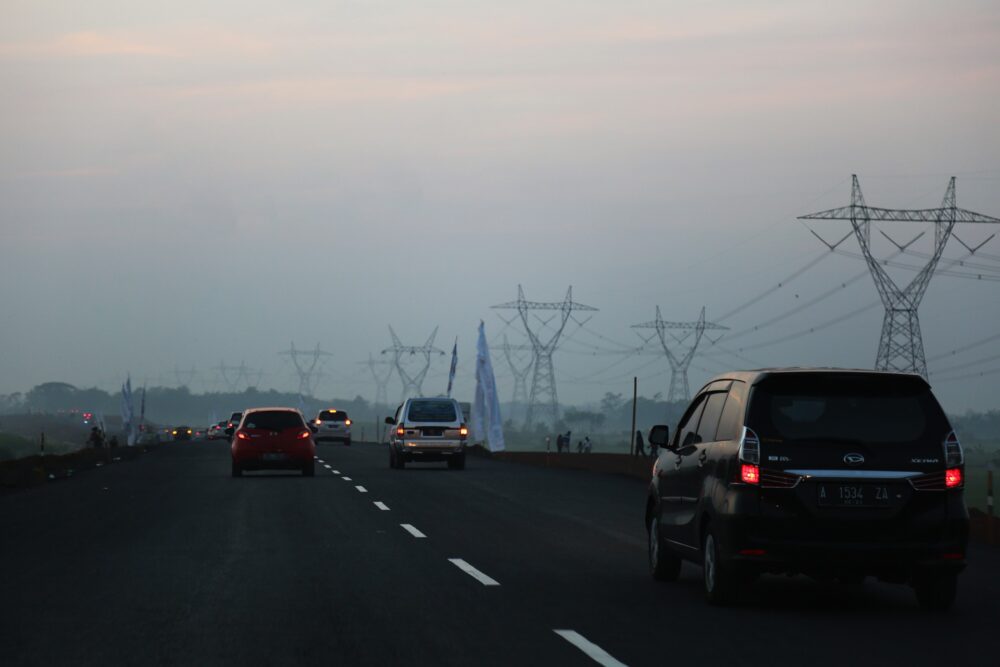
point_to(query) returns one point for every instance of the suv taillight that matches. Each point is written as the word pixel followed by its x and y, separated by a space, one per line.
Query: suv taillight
pixel 347 422
pixel 400 431
pixel 749 457
pixel 953 455
pixel 463 431
pixel 952 478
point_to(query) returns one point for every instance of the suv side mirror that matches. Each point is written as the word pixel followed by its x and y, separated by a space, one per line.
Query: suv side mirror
pixel 659 435
pixel 313 427
pixel 391 421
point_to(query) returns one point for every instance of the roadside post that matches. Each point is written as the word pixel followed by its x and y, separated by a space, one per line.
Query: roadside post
pixel 631 434
pixel 41 445
pixel 989 504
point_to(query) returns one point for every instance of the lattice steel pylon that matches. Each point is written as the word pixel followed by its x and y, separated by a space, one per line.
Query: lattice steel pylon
pixel 901 346
pixel 412 382
pixel 520 372
pixel 185 377
pixel 306 363
pixel 230 381
pixel 381 381
pixel 679 389
pixel 543 396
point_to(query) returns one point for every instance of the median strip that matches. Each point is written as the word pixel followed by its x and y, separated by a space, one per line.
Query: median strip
pixel 592 650
pixel 473 572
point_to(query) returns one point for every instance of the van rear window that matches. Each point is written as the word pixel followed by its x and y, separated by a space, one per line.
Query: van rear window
pixel 333 416
pixel 432 411
pixel 845 408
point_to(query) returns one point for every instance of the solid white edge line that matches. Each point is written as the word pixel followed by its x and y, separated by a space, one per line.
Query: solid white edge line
pixel 382 506
pixel 361 489
pixel 473 572
pixel 411 530
pixel 593 651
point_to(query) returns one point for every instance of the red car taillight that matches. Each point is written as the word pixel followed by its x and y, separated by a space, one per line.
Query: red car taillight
pixel 304 434
pixel 749 457
pixel 242 435
pixel 953 478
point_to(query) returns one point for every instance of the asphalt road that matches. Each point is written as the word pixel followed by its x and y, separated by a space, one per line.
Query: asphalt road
pixel 169 560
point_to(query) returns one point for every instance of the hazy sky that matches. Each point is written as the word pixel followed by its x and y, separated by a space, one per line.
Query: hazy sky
pixel 183 184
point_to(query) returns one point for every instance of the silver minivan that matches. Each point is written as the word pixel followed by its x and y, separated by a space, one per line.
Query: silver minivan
pixel 427 429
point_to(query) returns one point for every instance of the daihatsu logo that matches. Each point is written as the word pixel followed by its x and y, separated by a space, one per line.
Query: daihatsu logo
pixel 854 459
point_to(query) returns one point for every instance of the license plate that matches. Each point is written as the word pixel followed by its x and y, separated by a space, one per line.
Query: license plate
pixel 273 457
pixel 854 495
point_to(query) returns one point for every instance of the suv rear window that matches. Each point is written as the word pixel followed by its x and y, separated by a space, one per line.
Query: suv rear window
pixel 333 416
pixel 277 420
pixel 432 411
pixel 845 408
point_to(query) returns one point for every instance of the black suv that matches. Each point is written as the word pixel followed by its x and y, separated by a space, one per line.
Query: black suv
pixel 827 472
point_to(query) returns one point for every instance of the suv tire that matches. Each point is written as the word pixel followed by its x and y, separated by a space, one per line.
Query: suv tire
pixel 664 565
pixel 936 591
pixel 721 582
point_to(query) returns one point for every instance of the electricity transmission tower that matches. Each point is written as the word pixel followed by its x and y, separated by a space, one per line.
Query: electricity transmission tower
pixel 679 390
pixel 412 382
pixel 229 375
pixel 185 378
pixel 306 363
pixel 381 381
pixel 543 397
pixel 519 369
pixel 901 346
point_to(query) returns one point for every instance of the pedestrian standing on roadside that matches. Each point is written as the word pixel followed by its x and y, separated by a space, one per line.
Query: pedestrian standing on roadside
pixel 640 448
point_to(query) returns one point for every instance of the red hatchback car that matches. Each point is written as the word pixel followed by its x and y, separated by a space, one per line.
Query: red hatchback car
pixel 273 438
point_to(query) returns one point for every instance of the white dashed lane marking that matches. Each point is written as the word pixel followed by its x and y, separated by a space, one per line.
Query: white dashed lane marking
pixel 411 530
pixel 382 506
pixel 346 479
pixel 361 489
pixel 335 472
pixel 326 465
pixel 474 573
pixel 593 651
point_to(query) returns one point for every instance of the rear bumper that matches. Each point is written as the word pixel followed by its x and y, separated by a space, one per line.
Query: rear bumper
pixel 252 458
pixel 332 437
pixel 438 451
pixel 777 535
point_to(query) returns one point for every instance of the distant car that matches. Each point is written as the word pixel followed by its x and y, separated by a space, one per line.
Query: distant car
pixel 234 420
pixel 427 429
pixel 273 438
pixel 217 431
pixel 182 432
pixel 333 425
pixel 826 472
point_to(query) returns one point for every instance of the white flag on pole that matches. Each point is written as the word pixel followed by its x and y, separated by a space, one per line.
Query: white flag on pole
pixel 486 421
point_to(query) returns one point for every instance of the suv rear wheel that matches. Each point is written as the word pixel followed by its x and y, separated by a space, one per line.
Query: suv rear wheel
pixel 664 565
pixel 720 579
pixel 936 591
